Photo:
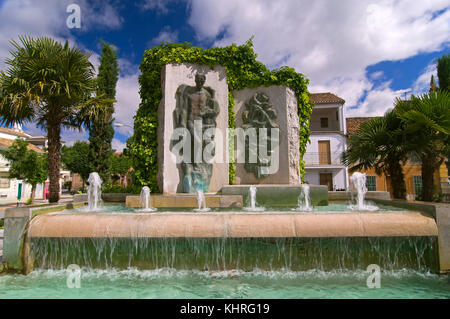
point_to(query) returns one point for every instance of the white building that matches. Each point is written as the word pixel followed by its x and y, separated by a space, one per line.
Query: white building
pixel 10 188
pixel 327 143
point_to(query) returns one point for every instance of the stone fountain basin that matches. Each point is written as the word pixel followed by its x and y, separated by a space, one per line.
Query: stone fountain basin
pixel 232 225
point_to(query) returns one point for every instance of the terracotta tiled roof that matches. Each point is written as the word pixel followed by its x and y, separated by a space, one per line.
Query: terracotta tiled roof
pixel 325 98
pixel 7 143
pixel 12 132
pixel 353 123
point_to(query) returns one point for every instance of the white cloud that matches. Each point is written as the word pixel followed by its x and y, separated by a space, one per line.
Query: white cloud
pixel 69 137
pixel 99 14
pixel 48 18
pixel 128 99
pixel 377 102
pixel 332 42
pixel 165 35
pixel 377 75
pixel 160 6
pixel 422 84
pixel 118 145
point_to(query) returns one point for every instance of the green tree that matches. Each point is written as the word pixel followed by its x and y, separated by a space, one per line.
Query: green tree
pixel 101 132
pixel 380 143
pixel 120 165
pixel 76 159
pixel 26 164
pixel 443 72
pixel 427 126
pixel 433 86
pixel 243 70
pixel 50 84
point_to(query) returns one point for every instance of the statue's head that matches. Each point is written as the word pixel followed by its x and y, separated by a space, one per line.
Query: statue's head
pixel 200 80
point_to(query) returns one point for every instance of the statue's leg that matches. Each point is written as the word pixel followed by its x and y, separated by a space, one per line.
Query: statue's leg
pixel 187 180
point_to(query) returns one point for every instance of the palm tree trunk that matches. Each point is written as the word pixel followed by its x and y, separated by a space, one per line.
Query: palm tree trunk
pixel 33 193
pixel 54 160
pixel 395 171
pixel 428 168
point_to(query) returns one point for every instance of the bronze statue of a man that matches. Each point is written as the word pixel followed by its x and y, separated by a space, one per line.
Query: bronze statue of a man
pixel 196 107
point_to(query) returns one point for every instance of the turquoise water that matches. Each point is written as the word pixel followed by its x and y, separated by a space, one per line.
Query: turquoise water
pixel 257 268
pixel 168 283
pixel 337 207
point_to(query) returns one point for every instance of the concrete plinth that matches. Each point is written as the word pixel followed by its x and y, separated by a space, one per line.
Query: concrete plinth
pixel 279 195
pixel 233 225
pixel 187 201
pixel 443 223
pixel 284 102
pixel 16 221
pixel 346 196
pixel 115 197
pixel 79 198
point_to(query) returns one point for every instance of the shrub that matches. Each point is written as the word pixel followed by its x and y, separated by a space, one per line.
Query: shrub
pixel 118 189
pixel 243 70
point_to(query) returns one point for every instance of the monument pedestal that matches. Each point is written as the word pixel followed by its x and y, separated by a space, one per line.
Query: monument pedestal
pixel 279 195
pixel 187 201
pixel 281 110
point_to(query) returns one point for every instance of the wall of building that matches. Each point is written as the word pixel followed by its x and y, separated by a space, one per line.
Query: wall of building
pixel 332 114
pixel 339 177
pixel 337 142
pixel 409 170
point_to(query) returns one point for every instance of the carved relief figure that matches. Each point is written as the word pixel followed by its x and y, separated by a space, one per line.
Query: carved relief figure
pixel 196 105
pixel 259 114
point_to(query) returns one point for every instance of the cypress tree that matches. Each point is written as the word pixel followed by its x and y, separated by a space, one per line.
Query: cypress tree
pixel 443 72
pixel 101 132
pixel 433 86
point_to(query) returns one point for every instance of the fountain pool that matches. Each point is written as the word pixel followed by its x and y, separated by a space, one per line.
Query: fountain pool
pixel 168 283
pixel 228 253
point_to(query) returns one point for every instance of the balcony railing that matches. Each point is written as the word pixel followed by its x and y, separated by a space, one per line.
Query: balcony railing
pixel 322 158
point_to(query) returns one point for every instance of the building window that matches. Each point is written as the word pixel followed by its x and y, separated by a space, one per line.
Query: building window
pixel 371 183
pixel 324 122
pixel 4 182
pixel 417 181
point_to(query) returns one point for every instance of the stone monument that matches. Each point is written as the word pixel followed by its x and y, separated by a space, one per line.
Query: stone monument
pixel 259 114
pixel 268 108
pixel 192 125
pixel 197 105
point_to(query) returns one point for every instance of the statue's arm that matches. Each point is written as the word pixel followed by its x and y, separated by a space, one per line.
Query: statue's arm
pixel 181 106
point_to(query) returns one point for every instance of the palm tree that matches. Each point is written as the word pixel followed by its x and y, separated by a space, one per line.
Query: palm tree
pixel 50 84
pixel 379 143
pixel 427 125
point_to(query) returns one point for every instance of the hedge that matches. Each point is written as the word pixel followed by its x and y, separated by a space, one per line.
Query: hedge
pixel 243 70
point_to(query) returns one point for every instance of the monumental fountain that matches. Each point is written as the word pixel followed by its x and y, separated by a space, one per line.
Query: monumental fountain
pixel 198 221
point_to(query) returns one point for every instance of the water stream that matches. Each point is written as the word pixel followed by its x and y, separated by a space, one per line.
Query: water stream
pixel 253 205
pixel 201 202
pixel 304 200
pixel 358 181
pixel 146 200
pixel 94 191
pixel 247 254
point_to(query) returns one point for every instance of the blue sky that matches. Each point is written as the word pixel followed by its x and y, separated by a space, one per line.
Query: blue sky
pixel 368 52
